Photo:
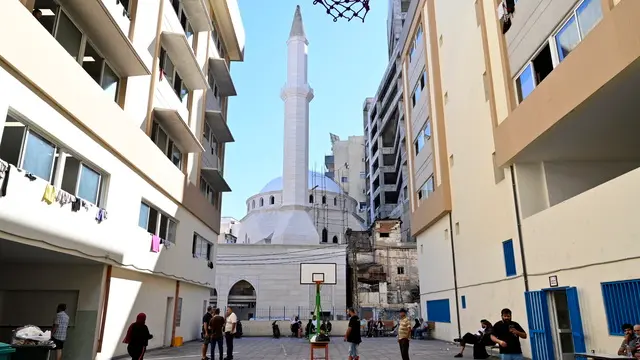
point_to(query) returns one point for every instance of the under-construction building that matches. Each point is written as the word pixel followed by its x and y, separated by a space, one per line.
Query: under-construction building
pixel 383 269
pixel 385 150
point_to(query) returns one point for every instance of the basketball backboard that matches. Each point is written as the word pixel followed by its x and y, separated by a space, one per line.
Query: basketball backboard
pixel 326 273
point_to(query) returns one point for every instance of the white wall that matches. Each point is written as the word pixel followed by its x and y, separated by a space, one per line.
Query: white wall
pixel 119 236
pixel 132 292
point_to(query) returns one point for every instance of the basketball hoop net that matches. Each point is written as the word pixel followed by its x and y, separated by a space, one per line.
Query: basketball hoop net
pixel 347 9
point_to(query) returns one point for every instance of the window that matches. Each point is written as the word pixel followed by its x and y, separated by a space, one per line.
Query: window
pixel 580 22
pixel 79 46
pixel 324 199
pixel 509 258
pixel 439 311
pixel 362 175
pixel 427 131
pixel 214 87
pixel 344 179
pixel 218 41
pixel 310 199
pixel 621 304
pixel 272 200
pixel 424 135
pixel 463 301
pixel 415 42
pixel 335 201
pixel 166 145
pixel 261 202
pixel 157 223
pixel 420 85
pixel 335 239
pixel 418 144
pixel 325 235
pixel 586 16
pixel 384 234
pixel 400 270
pixel 207 190
pixel 421 248
pixel 426 189
pixel 253 204
pixel 201 248
pixel 24 148
pixel 171 75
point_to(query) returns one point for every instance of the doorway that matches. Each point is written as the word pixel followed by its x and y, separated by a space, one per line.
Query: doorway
pixel 555 323
pixel 168 323
pixel 562 334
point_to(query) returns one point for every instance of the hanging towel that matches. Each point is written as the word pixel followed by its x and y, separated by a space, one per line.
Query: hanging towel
pixel 64 198
pixel 101 215
pixel 75 206
pixel 4 177
pixel 155 243
pixel 49 195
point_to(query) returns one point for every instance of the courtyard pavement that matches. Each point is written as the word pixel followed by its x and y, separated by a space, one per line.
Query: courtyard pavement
pixel 298 349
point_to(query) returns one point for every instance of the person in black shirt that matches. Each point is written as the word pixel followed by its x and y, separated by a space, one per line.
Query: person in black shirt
pixel 137 338
pixel 507 334
pixel 353 335
pixel 206 331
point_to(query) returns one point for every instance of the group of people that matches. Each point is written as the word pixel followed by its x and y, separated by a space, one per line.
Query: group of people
pixel 215 328
pixel 354 337
pixel 630 346
pixel 298 331
pixel 506 333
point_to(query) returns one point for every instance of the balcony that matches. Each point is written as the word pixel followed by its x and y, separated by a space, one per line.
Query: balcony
pixel 198 13
pixel 107 23
pixel 212 171
pixel 220 71
pixel 230 26
pixel 179 50
pixel 216 120
pixel 178 130
pixel 572 117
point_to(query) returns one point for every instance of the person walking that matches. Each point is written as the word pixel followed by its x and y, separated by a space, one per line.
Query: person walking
pixel 353 336
pixel 217 333
pixel 507 334
pixel 138 337
pixel 230 331
pixel 59 331
pixel 206 331
pixel 404 334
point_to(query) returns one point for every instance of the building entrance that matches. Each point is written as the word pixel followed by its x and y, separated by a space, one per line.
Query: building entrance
pixel 555 323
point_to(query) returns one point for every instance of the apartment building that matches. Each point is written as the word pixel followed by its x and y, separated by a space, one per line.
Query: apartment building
pixel 113 131
pixel 229 230
pixel 346 166
pixel 523 167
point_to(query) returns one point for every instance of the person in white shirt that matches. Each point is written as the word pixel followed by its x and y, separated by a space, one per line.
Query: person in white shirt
pixel 230 331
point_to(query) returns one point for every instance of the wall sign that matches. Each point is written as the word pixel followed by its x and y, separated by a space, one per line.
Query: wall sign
pixel 553 281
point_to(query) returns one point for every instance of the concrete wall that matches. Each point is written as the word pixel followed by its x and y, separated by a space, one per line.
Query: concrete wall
pixel 82 334
pixel 272 281
pixel 132 293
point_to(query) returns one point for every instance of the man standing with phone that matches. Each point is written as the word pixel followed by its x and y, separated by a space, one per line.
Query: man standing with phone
pixel 507 334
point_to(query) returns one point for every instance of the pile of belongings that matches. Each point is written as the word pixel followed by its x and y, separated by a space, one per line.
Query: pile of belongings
pixel 31 335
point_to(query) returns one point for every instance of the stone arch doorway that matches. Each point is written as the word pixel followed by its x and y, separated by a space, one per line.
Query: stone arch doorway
pixel 213 298
pixel 242 299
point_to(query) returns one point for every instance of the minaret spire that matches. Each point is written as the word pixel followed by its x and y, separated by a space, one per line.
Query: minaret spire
pixel 297 28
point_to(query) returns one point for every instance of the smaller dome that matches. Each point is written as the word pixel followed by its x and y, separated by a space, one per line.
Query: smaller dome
pixel 320 181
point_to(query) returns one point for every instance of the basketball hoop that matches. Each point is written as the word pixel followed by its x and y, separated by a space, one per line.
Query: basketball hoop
pixel 347 9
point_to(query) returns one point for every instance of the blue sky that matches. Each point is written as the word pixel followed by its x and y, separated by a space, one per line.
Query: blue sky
pixel 346 63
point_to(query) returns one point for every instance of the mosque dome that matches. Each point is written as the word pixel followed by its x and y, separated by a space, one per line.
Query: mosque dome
pixel 315 179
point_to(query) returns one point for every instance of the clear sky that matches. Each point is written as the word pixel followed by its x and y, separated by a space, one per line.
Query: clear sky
pixel 346 63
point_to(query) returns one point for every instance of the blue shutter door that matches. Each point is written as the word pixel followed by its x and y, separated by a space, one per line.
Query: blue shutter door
pixel 539 327
pixel 576 320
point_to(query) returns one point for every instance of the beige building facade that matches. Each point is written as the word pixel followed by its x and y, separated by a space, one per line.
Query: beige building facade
pixel 113 129
pixel 522 167
pixel 346 167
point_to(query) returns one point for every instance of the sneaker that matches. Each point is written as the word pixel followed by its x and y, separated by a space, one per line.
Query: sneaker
pixel 458 355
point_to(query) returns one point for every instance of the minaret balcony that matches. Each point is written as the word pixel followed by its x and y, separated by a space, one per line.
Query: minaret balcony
pixel 181 54
pixel 216 120
pixel 220 71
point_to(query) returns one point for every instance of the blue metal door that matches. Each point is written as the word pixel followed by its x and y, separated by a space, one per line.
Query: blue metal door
pixel 576 320
pixel 539 326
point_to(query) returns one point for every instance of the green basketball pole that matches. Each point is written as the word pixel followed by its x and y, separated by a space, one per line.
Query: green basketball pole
pixel 318 309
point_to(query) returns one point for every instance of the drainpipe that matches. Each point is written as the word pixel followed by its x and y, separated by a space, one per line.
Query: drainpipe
pixel 455 275
pixel 516 204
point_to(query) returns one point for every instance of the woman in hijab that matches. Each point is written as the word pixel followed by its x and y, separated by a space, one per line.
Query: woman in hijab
pixel 138 337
